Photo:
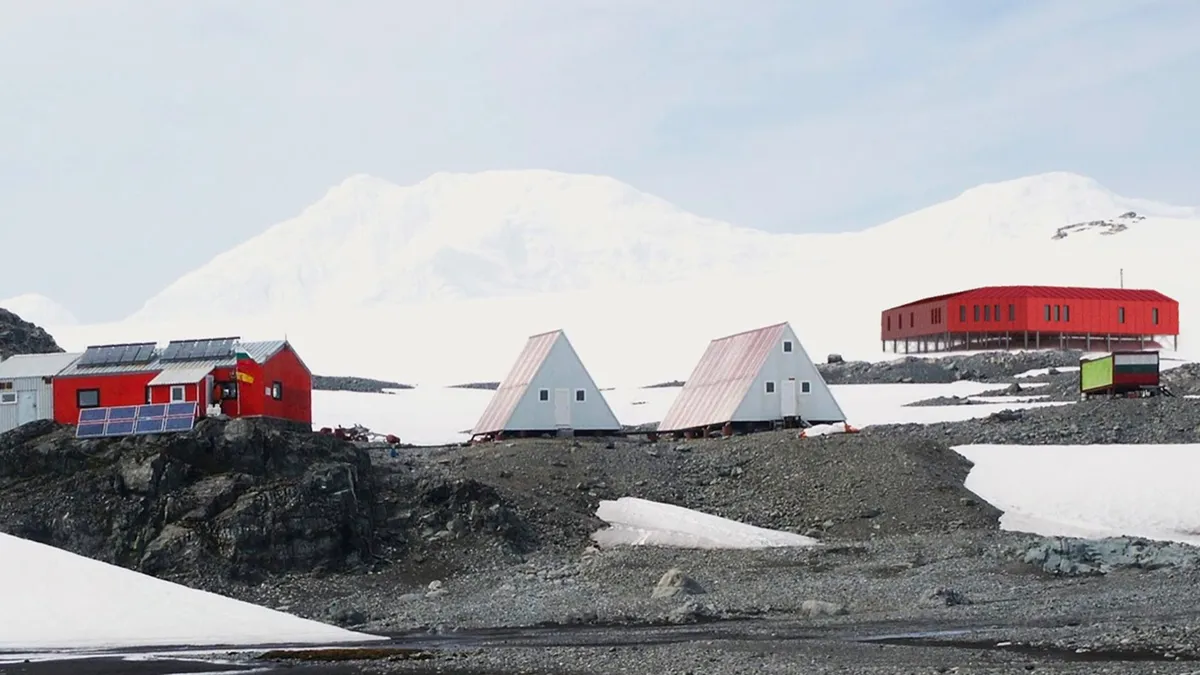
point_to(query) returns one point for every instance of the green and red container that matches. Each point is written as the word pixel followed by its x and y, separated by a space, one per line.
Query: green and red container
pixel 1119 373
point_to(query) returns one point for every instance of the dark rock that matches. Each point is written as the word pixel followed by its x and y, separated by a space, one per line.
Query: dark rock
pixel 238 499
pixel 359 384
pixel 18 336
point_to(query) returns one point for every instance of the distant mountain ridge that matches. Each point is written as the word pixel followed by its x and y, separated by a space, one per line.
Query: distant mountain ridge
pixel 453 236
pixel 457 236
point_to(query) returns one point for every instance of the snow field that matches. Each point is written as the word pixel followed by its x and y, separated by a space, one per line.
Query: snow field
pixel 51 599
pixel 1091 490
pixel 439 415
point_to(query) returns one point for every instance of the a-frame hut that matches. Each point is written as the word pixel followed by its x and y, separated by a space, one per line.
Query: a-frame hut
pixel 548 391
pixel 758 379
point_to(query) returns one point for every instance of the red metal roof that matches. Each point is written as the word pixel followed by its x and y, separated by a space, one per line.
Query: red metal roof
pixel 500 410
pixel 721 379
pixel 1064 292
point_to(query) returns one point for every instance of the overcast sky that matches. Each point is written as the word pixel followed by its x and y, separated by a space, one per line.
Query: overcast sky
pixel 140 138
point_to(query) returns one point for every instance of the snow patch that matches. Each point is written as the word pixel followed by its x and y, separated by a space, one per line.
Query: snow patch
pixel 54 599
pixel 641 522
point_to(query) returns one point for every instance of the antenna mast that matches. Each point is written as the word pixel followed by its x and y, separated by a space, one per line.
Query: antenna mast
pixel 1122 277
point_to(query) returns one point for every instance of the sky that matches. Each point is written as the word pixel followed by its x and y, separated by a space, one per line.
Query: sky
pixel 138 139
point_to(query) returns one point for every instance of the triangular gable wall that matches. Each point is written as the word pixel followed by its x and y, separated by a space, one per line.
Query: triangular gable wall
pixel 563 370
pixel 548 362
pixel 817 405
pixel 515 383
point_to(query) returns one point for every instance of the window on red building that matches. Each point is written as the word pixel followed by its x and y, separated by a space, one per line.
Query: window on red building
pixel 996 312
pixel 987 312
pixel 1012 312
pixel 1066 312
pixel 1120 315
pixel 1154 315
pixel 962 313
pixel 1047 312
pixel 976 312
pixel 1058 312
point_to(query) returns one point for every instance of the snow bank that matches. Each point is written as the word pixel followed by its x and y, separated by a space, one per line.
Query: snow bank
pixel 640 522
pixel 1091 490
pixel 54 599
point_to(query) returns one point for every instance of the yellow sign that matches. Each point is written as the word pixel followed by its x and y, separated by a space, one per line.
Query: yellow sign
pixel 245 377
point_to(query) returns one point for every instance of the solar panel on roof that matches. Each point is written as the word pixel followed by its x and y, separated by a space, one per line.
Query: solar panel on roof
pixel 189 350
pixel 115 355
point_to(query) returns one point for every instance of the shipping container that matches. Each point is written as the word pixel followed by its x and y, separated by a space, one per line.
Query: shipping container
pixel 1119 373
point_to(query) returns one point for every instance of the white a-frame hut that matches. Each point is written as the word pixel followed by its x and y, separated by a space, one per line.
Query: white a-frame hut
pixel 759 378
pixel 548 391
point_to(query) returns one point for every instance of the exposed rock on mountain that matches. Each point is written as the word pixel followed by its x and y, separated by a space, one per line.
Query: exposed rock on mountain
pixel 18 336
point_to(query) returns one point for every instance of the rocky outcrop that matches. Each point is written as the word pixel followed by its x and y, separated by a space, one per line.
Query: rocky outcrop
pixel 234 499
pixel 930 369
pixel 357 384
pixel 18 336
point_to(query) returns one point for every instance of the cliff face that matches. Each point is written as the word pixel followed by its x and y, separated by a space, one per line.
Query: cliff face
pixel 18 336
pixel 234 499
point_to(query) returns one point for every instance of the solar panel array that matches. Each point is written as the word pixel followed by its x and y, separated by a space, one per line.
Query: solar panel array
pixel 194 350
pixel 118 355
pixel 136 419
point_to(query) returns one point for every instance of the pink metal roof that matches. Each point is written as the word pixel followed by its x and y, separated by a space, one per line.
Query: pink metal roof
pixel 721 380
pixel 500 410
pixel 1064 292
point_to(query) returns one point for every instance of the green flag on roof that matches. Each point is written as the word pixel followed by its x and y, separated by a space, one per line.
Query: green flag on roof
pixel 242 356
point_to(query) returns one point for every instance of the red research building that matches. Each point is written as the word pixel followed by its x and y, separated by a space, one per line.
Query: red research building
pixel 1032 317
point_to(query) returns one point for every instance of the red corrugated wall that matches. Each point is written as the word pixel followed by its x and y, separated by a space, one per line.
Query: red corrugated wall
pixel 1075 311
pixel 925 318
pixel 286 368
pixel 116 389
pixel 161 393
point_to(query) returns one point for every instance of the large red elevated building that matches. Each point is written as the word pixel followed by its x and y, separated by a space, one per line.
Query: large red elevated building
pixel 1032 317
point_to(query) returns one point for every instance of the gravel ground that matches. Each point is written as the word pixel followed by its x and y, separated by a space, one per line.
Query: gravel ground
pixel 904 549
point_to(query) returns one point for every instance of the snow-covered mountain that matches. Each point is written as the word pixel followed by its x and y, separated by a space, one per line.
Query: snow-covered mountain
pixel 38 309
pixel 369 242
pixel 695 278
